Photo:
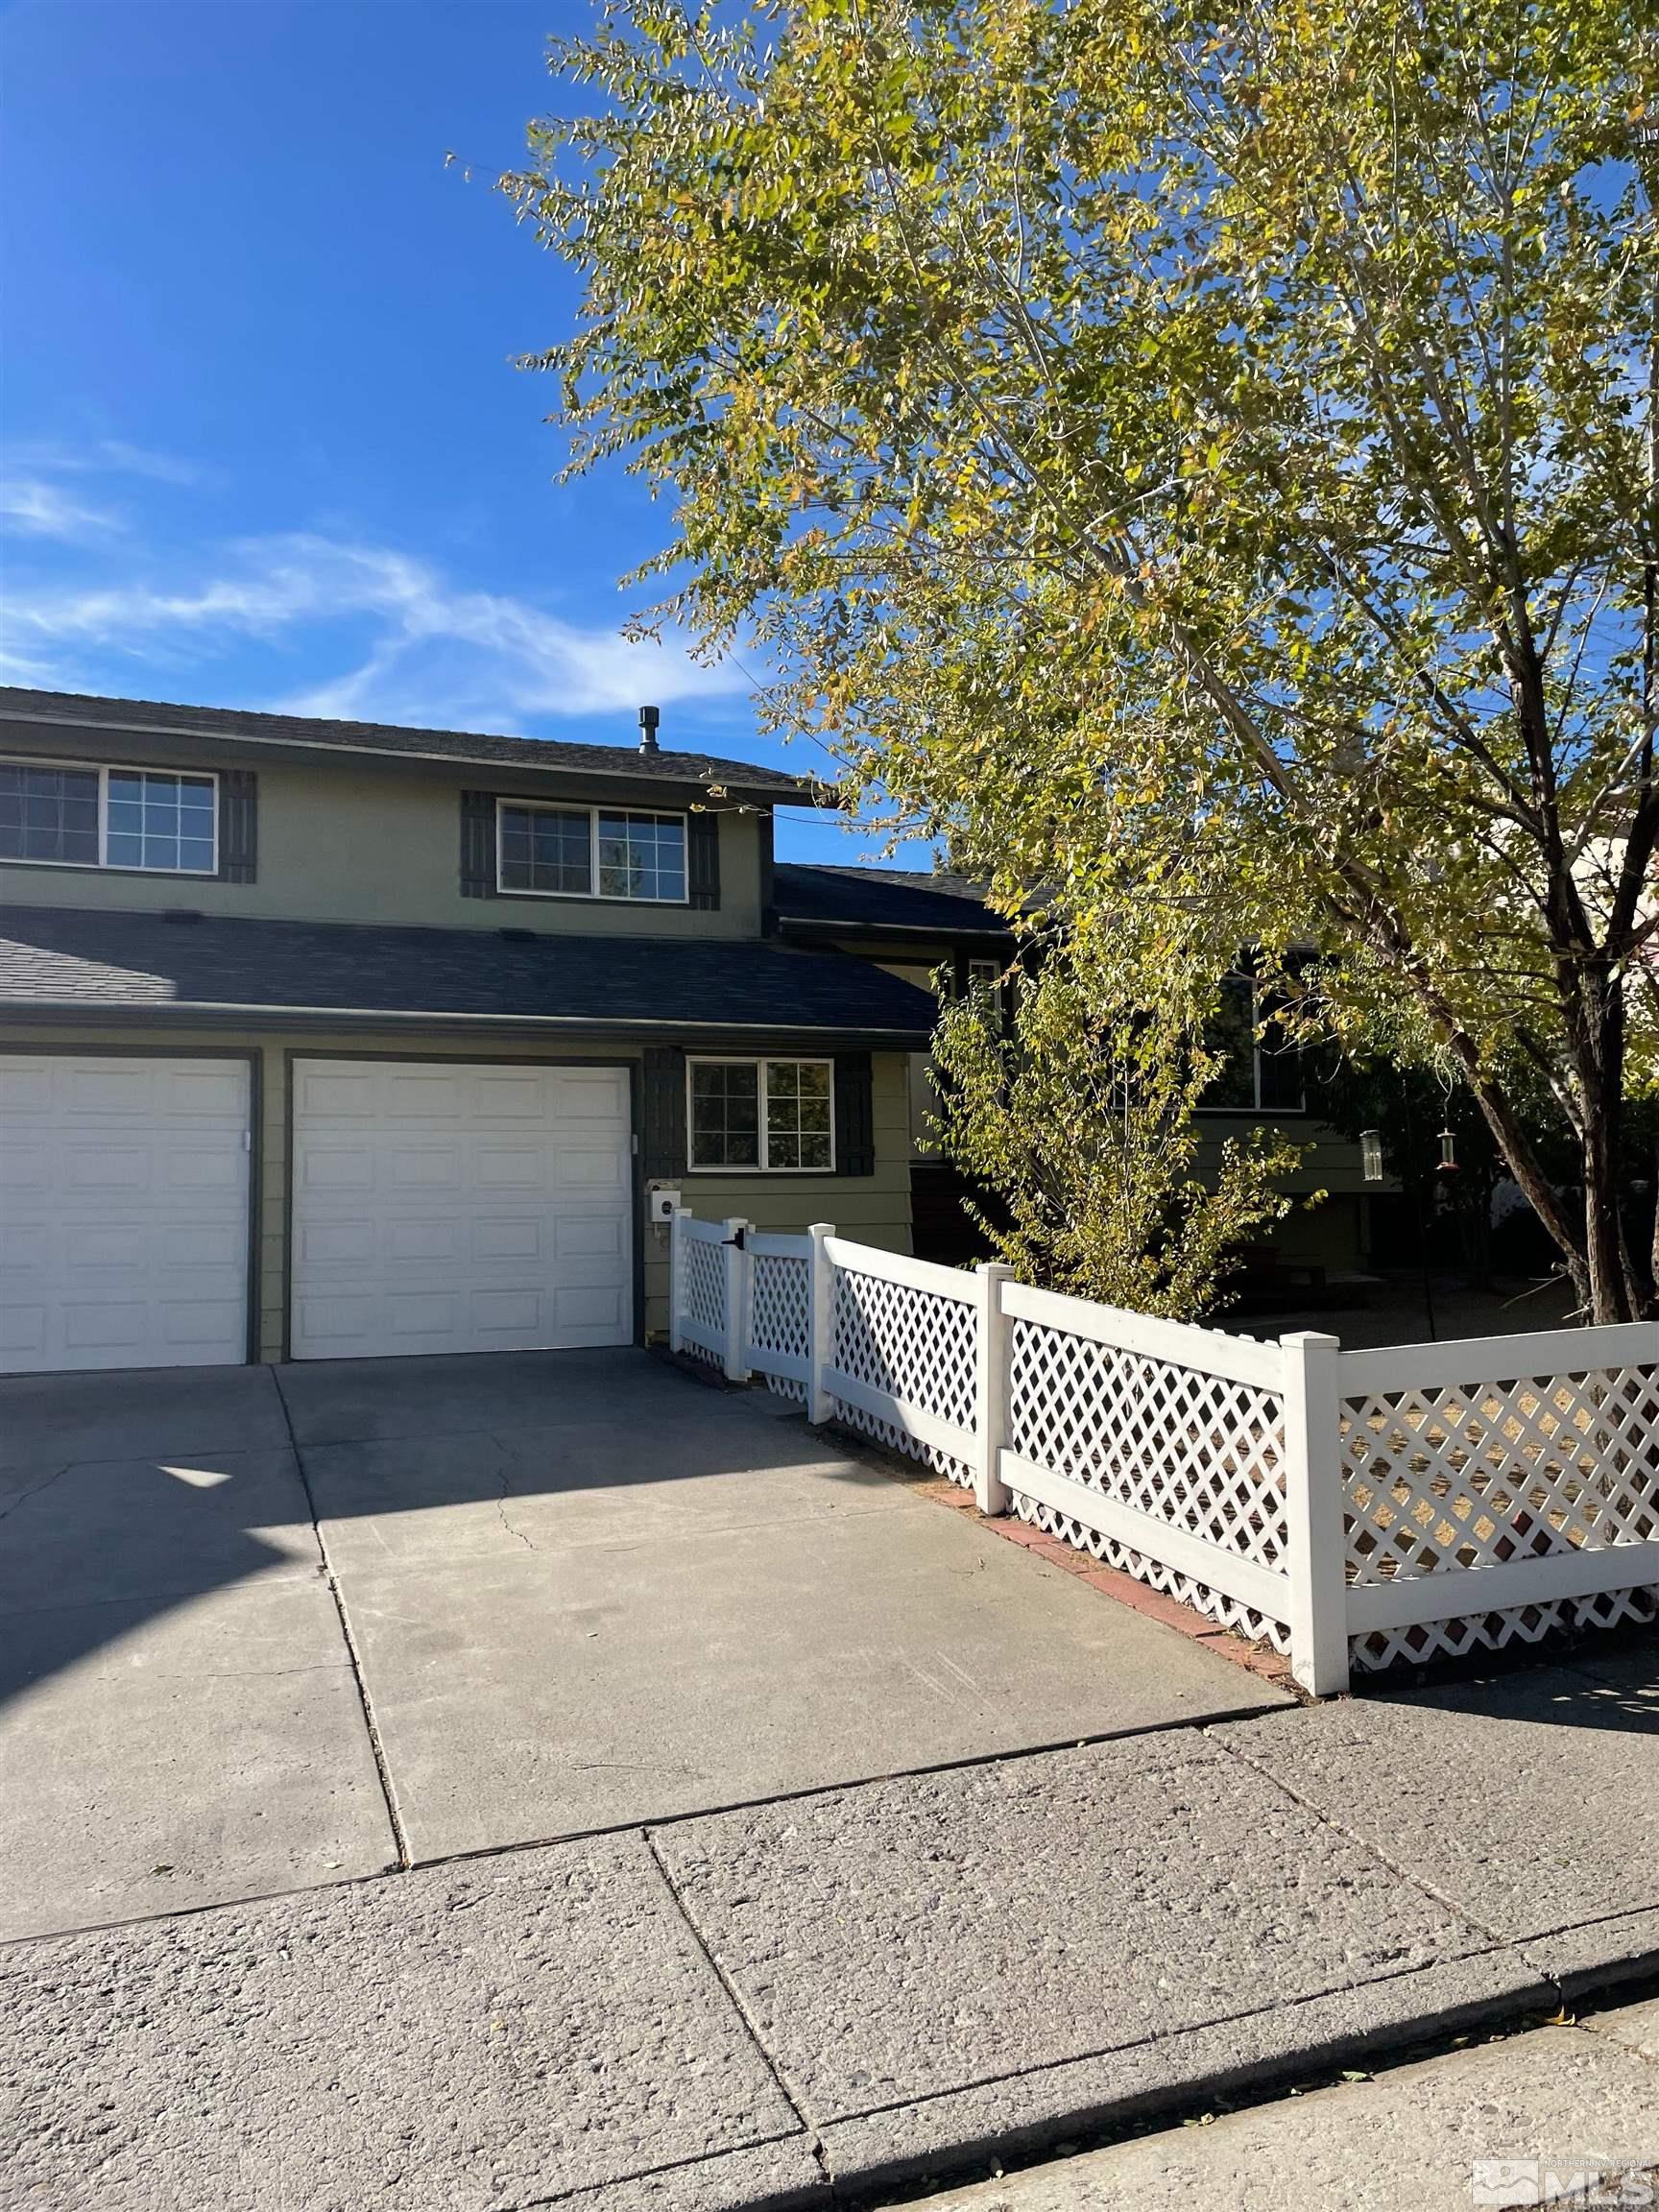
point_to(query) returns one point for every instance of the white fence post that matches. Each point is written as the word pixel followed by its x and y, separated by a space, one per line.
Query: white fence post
pixel 676 1278
pixel 991 1388
pixel 739 1284
pixel 821 1322
pixel 1318 1593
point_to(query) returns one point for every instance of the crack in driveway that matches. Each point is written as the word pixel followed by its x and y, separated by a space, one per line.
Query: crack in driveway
pixel 35 1489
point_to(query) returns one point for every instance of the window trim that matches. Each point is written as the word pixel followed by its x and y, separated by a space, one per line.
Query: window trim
pixel 761 1062
pixel 595 897
pixel 104 770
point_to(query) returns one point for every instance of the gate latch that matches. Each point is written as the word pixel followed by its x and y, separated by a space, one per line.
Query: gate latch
pixel 739 1240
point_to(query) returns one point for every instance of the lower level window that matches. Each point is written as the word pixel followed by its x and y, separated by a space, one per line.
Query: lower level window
pixel 773 1115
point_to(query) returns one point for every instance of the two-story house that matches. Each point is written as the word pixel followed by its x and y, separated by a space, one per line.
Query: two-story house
pixel 323 1039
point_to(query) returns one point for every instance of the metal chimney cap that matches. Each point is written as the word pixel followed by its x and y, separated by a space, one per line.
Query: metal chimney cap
pixel 649 718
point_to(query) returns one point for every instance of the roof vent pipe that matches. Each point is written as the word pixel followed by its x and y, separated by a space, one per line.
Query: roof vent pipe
pixel 649 717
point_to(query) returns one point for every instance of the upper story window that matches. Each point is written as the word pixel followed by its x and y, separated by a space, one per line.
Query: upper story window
pixel 592 853
pixel 91 817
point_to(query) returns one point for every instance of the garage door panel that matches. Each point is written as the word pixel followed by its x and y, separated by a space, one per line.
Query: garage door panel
pixel 339 1097
pixel 588 1308
pixel 204 1177
pixel 491 1208
pixel 512 1094
pixel 22 1338
pixel 430 1241
pixel 123 1211
pixel 25 1167
pixel 203 1248
pixel 89 1245
pixel 589 1170
pixel 25 1088
pixel 520 1238
pixel 212 1092
pixel 503 1166
pixel 123 1089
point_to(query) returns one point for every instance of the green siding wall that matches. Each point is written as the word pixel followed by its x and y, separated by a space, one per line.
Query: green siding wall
pixel 344 843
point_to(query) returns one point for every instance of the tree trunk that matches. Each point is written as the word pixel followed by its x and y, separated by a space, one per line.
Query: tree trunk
pixel 1596 1030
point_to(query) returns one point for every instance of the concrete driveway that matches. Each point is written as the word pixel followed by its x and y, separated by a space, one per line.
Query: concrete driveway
pixel 267 1629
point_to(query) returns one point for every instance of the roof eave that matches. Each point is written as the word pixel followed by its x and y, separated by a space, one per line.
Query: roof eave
pixel 788 793
pixel 213 1013
pixel 923 933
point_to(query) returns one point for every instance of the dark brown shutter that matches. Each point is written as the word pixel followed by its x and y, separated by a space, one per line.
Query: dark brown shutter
pixel 702 858
pixel 855 1116
pixel 662 1145
pixel 478 845
pixel 238 825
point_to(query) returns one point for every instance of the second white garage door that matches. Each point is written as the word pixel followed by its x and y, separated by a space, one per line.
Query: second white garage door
pixel 459 1207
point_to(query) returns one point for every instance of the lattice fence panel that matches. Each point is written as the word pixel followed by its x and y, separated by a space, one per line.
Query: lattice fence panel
pixel 1196 1451
pixel 702 1292
pixel 780 1317
pixel 1478 1474
pixel 909 1344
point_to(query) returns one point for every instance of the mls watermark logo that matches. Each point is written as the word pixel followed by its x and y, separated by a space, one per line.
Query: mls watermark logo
pixel 1570 2184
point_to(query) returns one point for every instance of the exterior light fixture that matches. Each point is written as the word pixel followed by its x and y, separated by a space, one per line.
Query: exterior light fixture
pixel 1371 1154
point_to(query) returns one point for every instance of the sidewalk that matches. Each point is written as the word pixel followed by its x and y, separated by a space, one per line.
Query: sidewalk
pixel 839 1991
pixel 1565 2114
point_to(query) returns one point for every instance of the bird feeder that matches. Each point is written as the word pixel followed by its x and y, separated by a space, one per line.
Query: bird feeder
pixel 1371 1154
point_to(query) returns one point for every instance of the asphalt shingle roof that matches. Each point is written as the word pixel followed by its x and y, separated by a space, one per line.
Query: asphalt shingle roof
pixel 106 962
pixel 885 898
pixel 233 724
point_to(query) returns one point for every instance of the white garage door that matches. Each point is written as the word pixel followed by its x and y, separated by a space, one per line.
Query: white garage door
pixel 445 1207
pixel 123 1212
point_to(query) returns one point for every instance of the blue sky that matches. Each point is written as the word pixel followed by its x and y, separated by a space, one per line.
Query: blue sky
pixel 262 443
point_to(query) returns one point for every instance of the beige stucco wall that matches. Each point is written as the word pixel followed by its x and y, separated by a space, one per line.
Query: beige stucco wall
pixel 874 1209
pixel 348 843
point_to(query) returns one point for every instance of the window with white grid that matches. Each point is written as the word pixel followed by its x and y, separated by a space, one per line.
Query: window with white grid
pixel 592 853
pixel 72 816
pixel 774 1115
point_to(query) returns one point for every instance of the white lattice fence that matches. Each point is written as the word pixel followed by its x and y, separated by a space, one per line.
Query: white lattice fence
pixel 1170 1468
pixel 778 1337
pixel 903 1353
pixel 1499 1490
pixel 1355 1508
pixel 700 1289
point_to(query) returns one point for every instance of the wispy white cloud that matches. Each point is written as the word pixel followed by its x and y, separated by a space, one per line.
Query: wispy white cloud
pixel 104 457
pixel 42 508
pixel 413 644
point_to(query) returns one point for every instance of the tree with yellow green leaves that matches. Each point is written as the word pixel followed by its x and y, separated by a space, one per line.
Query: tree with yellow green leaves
pixel 1200 462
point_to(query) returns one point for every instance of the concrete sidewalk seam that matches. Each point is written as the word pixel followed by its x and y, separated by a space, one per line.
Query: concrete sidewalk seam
pixel 1169 2038
pixel 750 2028
pixel 401 1841
pixel 649 2172
pixel 487 1851
pixel 1498 1941
pixel 973 1760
